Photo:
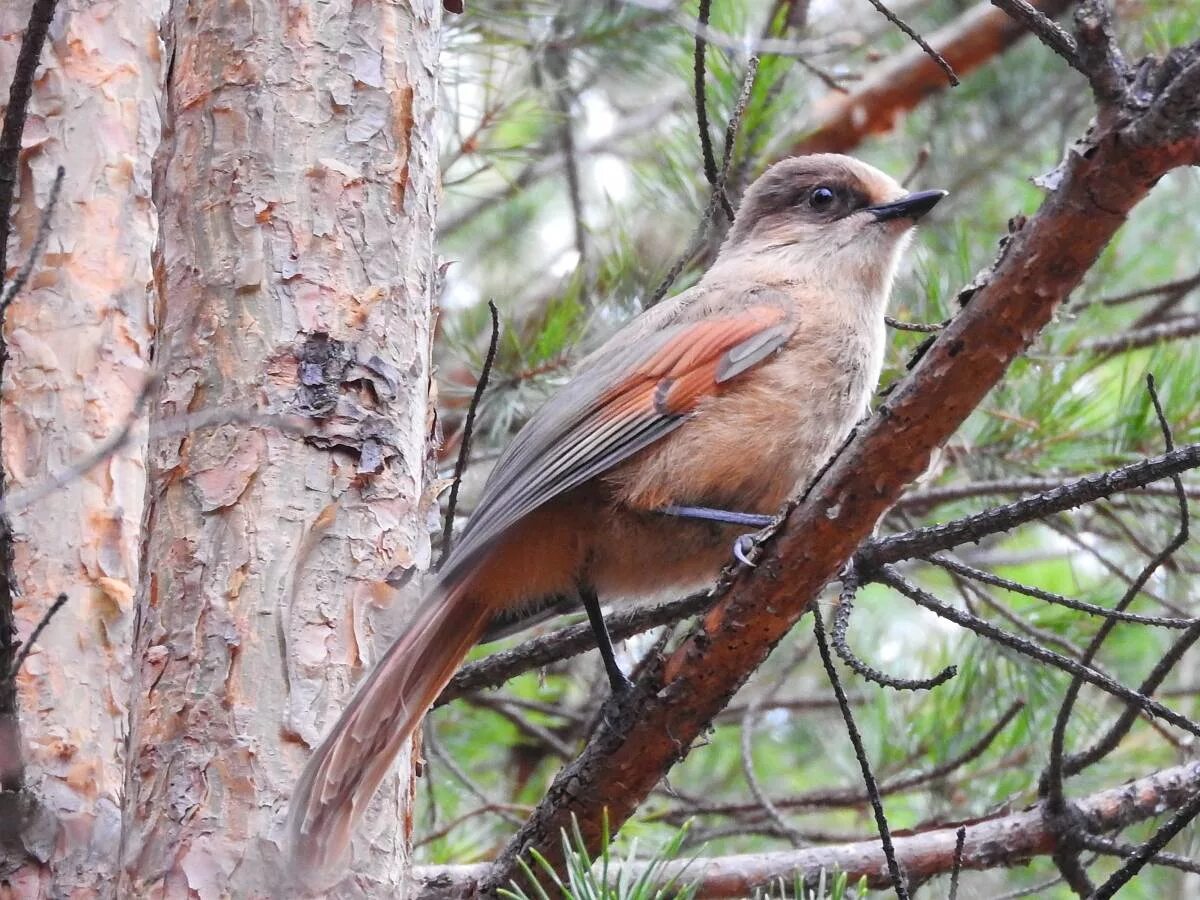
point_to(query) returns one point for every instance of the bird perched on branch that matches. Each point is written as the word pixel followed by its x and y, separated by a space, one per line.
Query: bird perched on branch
pixel 693 423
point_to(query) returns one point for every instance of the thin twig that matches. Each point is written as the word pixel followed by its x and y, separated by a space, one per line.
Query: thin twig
pixel 1148 850
pixel 1009 487
pixel 1171 288
pixel 1077 762
pixel 833 798
pixel 1109 847
pixel 498 668
pixel 433 745
pixel 885 836
pixel 765 803
pixel 1034 890
pixel 919 327
pixel 558 65
pixel 920 41
pixel 718 193
pixel 39 243
pixel 924 541
pixel 922 160
pixel 495 809
pixel 1045 29
pixel 18 500
pixel 959 841
pixel 889 576
pixel 1175 330
pixel 841 622
pixel 19 93
pixel 1044 636
pixel 464 449
pixel 1051 786
pixel 59 602
pixel 1061 526
pixel 544 736
pixel 699 71
pixel 953 565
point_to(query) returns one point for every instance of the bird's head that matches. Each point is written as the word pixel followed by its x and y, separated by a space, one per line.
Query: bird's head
pixel 829 217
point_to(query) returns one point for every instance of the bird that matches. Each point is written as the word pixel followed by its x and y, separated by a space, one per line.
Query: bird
pixel 693 422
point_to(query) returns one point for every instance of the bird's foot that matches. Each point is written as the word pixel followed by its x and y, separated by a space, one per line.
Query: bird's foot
pixel 743 547
pixel 620 683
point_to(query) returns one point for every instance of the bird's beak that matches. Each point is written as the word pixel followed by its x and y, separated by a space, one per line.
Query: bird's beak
pixel 910 206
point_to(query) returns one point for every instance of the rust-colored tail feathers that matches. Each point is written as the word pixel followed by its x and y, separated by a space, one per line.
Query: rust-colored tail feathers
pixel 344 772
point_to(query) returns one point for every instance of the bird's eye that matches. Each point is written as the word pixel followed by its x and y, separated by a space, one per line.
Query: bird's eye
pixel 821 198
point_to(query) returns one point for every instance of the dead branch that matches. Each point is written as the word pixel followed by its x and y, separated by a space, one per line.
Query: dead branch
pixel 1135 339
pixel 464 449
pixel 917 39
pixel 958 568
pixel 925 541
pixel 18 281
pixel 996 842
pixel 1036 651
pixel 498 668
pixel 841 624
pixel 718 198
pixel 1045 28
pixel 59 602
pixel 896 875
pixel 926 498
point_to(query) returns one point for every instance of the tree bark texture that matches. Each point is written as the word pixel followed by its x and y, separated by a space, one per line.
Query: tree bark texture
pixel 79 340
pixel 296 185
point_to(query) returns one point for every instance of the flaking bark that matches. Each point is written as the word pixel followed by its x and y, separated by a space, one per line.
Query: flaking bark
pixel 297 188
pixel 79 343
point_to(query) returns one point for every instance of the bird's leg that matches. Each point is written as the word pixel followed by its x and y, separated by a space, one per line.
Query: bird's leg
pixel 744 544
pixel 725 516
pixel 616 678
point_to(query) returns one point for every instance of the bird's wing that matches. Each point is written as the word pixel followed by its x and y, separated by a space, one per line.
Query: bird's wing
pixel 621 403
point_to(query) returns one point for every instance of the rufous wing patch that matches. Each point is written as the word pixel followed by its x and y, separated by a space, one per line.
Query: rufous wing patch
pixel 697 362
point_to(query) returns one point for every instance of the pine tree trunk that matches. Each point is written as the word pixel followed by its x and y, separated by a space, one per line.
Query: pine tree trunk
pixel 79 339
pixel 296 186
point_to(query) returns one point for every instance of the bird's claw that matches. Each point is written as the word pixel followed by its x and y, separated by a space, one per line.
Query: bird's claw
pixel 743 547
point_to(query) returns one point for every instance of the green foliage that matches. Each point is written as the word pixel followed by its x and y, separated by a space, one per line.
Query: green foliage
pixel 835 887
pixel 604 878
pixel 589 879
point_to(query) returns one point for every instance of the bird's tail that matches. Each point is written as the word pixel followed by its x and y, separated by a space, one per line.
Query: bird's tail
pixel 344 772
